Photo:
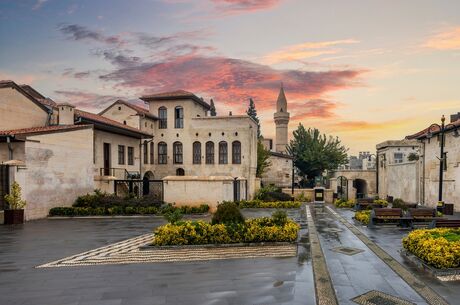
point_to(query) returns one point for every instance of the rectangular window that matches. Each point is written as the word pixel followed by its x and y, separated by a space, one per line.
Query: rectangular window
pixel 223 159
pixel 162 118
pixel 178 154
pixel 146 153
pixel 196 153
pixel 152 156
pixel 179 117
pixel 399 158
pixel 130 155
pixel 121 154
pixel 162 153
pixel 209 153
pixel 236 152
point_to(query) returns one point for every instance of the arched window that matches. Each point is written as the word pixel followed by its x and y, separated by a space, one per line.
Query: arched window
pixel 178 153
pixel 162 153
pixel 236 152
pixel 209 152
pixel 196 152
pixel 223 153
pixel 179 117
pixel 162 117
pixel 180 172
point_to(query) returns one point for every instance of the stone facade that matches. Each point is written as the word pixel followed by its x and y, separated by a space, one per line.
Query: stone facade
pixel 279 172
pixel 281 117
pixel 359 183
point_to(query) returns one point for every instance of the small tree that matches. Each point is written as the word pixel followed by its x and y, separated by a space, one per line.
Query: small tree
pixel 213 108
pixel 252 112
pixel 262 159
pixel 14 198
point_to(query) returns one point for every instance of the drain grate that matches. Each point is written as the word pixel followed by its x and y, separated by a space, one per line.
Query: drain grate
pixel 375 297
pixel 347 250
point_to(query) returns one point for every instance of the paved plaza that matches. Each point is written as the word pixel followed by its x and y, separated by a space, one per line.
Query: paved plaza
pixel 348 267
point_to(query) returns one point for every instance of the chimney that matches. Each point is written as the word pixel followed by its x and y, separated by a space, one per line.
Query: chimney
pixel 66 114
pixel 454 117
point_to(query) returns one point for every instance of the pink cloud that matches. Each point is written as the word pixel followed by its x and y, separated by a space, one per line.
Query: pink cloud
pixel 238 6
pixel 446 40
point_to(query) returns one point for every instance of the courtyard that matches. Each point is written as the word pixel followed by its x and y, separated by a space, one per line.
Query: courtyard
pixel 347 271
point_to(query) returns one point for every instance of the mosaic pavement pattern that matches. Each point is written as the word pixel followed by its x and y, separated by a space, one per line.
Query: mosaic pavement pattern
pixel 375 297
pixel 128 252
pixel 421 288
pixel 347 250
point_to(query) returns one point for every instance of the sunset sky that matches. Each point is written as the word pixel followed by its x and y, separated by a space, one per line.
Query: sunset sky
pixel 366 71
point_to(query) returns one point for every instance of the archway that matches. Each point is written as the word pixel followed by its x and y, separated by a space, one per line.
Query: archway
pixel 149 175
pixel 180 172
pixel 361 188
pixel 342 187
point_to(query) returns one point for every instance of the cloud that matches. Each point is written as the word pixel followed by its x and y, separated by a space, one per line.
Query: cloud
pixel 86 100
pixel 77 32
pixel 39 4
pixel 445 40
pixel 304 50
pixel 239 6
pixel 315 108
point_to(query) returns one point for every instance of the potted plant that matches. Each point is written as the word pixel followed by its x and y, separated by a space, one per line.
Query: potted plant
pixel 15 212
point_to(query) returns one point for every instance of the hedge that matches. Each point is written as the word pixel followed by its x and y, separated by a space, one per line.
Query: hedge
pixel 342 203
pixel 437 247
pixel 269 204
pixel 199 232
pixel 125 210
pixel 363 216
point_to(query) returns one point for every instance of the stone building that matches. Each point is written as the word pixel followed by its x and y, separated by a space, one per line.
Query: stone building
pixel 430 163
pixel 399 170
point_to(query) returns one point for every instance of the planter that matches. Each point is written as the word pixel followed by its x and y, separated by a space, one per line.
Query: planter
pixel 13 217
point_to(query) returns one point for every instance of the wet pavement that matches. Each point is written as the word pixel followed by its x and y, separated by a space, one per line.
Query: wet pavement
pixel 233 281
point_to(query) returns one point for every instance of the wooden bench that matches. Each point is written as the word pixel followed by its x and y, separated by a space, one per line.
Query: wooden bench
pixel 422 213
pixel 364 203
pixel 386 215
pixel 445 223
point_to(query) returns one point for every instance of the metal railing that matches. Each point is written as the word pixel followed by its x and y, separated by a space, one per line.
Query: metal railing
pixel 119 173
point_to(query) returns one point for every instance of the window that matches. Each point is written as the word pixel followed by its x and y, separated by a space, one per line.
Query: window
pixel 179 117
pixel 146 153
pixel 163 118
pixel 236 152
pixel 209 152
pixel 398 157
pixel 162 153
pixel 223 159
pixel 121 154
pixel 177 153
pixel 152 156
pixel 130 155
pixel 180 172
pixel 196 152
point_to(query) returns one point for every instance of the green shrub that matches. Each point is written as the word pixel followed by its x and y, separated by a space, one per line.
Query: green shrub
pixel 269 204
pixel 342 203
pixel 200 232
pixel 399 203
pixel 381 202
pixel 174 216
pixel 272 193
pixel 227 212
pixel 302 197
pixel 279 217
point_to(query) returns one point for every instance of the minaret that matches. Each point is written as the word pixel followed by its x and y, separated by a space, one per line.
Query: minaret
pixel 281 121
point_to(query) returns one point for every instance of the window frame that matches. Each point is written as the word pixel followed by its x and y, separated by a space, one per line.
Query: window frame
pixel 178 153
pixel 236 155
pixel 196 153
pixel 209 151
pixel 162 156
pixel 179 117
pixel 162 117
pixel 152 153
pixel 121 155
pixel 223 152
pixel 130 155
pixel 146 152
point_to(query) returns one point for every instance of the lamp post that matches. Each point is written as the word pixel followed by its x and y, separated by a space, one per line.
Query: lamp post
pixel 292 184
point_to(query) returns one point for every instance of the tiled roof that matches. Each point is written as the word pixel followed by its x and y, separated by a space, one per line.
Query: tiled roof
pixel 43 129
pixel 106 121
pixel 435 129
pixel 175 95
pixel 37 95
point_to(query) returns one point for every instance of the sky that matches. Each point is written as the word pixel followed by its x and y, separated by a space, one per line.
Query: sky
pixel 365 71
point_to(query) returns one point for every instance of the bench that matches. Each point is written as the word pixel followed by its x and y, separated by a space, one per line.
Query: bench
pixel 445 223
pixel 386 215
pixel 421 216
pixel 364 203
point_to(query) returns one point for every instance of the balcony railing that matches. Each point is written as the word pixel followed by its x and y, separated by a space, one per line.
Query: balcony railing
pixel 119 173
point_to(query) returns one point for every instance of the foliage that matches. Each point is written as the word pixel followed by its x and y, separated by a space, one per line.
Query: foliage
pixel 363 216
pixel 438 247
pixel 399 203
pixel 262 159
pixel 213 108
pixel 126 210
pixel 173 216
pixel 272 193
pixel 227 212
pixel 252 112
pixel 314 152
pixel 199 232
pixel 342 203
pixel 279 217
pixel 14 199
pixel 301 197
pixel 439 214
pixel 381 202
pixel 269 204
pixel 100 199
pixel 412 157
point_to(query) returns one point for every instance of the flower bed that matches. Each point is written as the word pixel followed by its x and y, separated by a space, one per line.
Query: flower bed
pixel 342 203
pixel 437 247
pixel 126 210
pixel 269 204
pixel 256 230
pixel 363 216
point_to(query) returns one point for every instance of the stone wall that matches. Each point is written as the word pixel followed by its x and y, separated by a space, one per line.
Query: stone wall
pixel 402 182
pixel 310 194
pixel 369 176
pixel 279 172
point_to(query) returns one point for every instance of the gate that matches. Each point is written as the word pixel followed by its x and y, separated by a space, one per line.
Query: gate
pixel 342 187
pixel 139 188
pixel 4 185
pixel 236 190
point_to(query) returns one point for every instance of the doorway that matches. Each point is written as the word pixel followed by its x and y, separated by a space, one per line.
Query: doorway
pixel 107 158
pixel 361 188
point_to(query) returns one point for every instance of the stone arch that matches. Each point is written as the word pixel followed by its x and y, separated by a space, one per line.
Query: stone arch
pixel 149 175
pixel 361 188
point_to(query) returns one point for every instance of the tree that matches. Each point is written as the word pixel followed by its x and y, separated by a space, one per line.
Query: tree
pixel 262 159
pixel 314 152
pixel 14 199
pixel 213 108
pixel 252 112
